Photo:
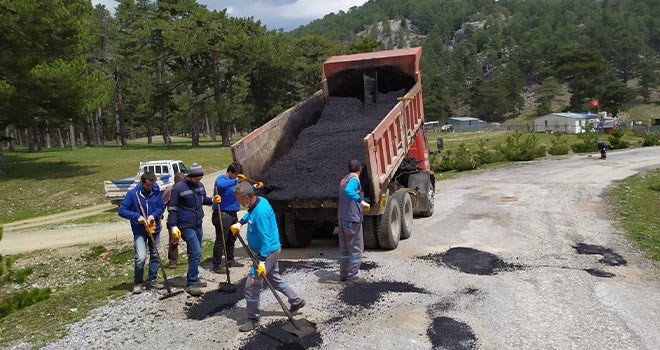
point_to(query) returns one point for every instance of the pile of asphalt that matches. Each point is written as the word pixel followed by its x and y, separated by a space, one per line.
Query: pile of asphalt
pixel 367 294
pixel 472 261
pixel 314 166
pixel 609 256
pixel 272 336
pixel 448 333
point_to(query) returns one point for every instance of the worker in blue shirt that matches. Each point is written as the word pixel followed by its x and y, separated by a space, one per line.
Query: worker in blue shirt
pixel 264 240
pixel 228 208
pixel 350 213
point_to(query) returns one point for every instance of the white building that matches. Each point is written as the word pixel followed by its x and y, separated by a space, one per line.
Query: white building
pixel 570 123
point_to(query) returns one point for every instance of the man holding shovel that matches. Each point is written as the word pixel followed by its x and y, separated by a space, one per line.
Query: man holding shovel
pixel 146 194
pixel 228 207
pixel 264 240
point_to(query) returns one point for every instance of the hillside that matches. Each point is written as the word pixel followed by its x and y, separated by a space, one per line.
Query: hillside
pixel 494 59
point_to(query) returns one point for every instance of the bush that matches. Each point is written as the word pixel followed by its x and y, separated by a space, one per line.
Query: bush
pixel 22 299
pixel 559 145
pixel 615 140
pixel 460 159
pixel 484 155
pixel 586 145
pixel 650 140
pixel 517 149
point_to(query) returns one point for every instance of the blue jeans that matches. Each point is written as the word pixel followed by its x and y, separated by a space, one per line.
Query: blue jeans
pixel 140 244
pixel 193 237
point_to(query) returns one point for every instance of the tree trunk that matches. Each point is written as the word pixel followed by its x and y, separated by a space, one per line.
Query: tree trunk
pixel 10 133
pixel 90 131
pixel 2 160
pixel 72 136
pixel 217 95
pixel 119 112
pixel 164 129
pixel 99 127
pixel 210 120
pixel 149 135
pixel 194 128
pixel 48 144
pixel 61 138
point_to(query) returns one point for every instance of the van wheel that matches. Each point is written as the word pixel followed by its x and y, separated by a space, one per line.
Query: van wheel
pixel 296 232
pixel 389 227
pixel 369 232
pixel 404 200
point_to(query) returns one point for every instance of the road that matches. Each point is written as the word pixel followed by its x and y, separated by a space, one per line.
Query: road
pixel 495 268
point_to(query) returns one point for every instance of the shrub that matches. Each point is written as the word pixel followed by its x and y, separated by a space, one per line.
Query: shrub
pixel 518 149
pixel 22 299
pixel 615 140
pixel 485 155
pixel 650 140
pixel 460 159
pixel 586 145
pixel 559 145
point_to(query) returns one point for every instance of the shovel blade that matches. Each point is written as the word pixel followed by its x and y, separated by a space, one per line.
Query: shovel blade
pixel 227 288
pixel 301 327
pixel 170 295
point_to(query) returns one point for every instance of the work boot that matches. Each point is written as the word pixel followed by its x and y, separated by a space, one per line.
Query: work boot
pixel 200 284
pixel 155 284
pixel 296 307
pixel 249 325
pixel 219 269
pixel 137 288
pixel 172 264
pixel 194 290
pixel 234 263
pixel 356 280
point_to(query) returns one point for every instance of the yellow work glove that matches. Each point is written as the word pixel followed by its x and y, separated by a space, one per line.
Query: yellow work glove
pixel 365 206
pixel 151 228
pixel 261 269
pixel 217 198
pixel 259 185
pixel 241 177
pixel 235 228
pixel 176 233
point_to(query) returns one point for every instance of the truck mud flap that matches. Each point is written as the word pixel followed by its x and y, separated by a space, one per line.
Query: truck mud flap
pixel 423 185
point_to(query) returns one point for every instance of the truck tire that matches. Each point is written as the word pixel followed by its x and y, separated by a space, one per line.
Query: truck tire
pixel 389 227
pixel 369 232
pixel 296 233
pixel 279 218
pixel 406 207
pixel 430 203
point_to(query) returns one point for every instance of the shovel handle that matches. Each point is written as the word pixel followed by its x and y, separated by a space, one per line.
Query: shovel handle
pixel 272 289
pixel 224 239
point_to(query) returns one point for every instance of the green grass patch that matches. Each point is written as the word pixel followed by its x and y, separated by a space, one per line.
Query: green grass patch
pixel 636 201
pixel 57 180
pixel 22 299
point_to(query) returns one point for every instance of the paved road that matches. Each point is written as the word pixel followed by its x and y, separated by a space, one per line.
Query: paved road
pixel 523 221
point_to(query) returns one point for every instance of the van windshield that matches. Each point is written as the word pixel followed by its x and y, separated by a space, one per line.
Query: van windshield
pixel 182 168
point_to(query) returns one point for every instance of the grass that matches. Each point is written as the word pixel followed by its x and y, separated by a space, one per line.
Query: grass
pixel 636 201
pixel 95 281
pixel 57 180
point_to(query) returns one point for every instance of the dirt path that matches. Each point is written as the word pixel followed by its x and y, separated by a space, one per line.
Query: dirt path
pixel 25 235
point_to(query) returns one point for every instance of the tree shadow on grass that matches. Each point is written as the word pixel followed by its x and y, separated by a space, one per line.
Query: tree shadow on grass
pixel 42 168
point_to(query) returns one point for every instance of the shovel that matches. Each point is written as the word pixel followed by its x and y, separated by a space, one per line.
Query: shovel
pixel 162 269
pixel 225 287
pixel 299 328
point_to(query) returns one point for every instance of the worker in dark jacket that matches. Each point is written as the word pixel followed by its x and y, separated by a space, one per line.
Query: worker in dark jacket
pixel 350 213
pixel 229 207
pixel 264 240
pixel 602 147
pixel 173 244
pixel 143 206
pixel 185 218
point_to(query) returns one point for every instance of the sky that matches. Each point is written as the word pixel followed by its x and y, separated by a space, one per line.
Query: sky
pixel 275 14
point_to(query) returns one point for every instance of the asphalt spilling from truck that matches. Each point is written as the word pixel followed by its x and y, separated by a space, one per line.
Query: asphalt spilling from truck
pixel 450 334
pixel 272 336
pixel 609 257
pixel 472 261
pixel 314 166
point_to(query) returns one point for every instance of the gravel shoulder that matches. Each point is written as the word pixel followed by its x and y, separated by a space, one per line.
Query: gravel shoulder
pixel 539 296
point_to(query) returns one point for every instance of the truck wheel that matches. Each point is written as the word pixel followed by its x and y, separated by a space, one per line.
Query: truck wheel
pixel 389 228
pixel 296 233
pixel 406 207
pixel 325 230
pixel 430 203
pixel 279 217
pixel 369 232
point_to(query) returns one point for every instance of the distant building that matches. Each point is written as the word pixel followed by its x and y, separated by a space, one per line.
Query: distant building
pixel 570 123
pixel 462 124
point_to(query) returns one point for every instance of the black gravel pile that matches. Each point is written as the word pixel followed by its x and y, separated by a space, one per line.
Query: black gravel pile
pixel 213 302
pixel 609 257
pixel 366 294
pixel 449 334
pixel 273 336
pixel 319 159
pixel 600 273
pixel 305 265
pixel 472 261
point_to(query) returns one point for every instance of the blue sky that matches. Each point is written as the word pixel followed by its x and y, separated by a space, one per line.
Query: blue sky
pixel 275 14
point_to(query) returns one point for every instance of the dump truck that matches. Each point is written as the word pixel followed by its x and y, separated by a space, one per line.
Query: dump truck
pixel 115 190
pixel 397 177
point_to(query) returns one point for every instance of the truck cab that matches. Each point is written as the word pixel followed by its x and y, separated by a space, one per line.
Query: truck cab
pixel 115 190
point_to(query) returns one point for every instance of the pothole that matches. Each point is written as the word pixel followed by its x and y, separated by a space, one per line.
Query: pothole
pixel 450 334
pixel 472 261
pixel 272 336
pixel 366 294
pixel 609 257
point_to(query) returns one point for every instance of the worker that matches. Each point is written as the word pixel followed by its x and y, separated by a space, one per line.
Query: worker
pixel 173 244
pixel 602 147
pixel 224 186
pixel 143 206
pixel 264 240
pixel 350 213
pixel 185 218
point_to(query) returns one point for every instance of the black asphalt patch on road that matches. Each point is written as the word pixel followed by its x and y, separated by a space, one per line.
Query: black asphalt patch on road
pixel 450 334
pixel 368 265
pixel 600 273
pixel 472 261
pixel 306 265
pixel 609 257
pixel 367 294
pixel 272 336
pixel 214 301
pixel 314 166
